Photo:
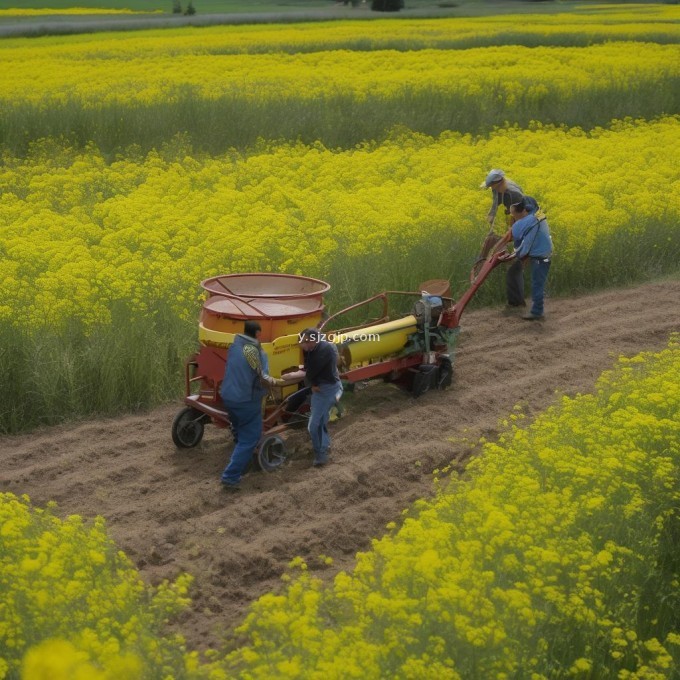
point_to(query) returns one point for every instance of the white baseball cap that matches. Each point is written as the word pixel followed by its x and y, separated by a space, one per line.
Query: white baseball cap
pixel 493 177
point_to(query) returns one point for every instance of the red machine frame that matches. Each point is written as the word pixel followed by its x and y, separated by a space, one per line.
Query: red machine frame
pixel 205 405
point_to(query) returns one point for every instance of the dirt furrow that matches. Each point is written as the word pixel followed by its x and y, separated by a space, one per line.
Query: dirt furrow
pixel 166 509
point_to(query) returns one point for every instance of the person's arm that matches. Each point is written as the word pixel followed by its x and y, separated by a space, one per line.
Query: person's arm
pixel 500 246
pixel 494 206
pixel 252 356
pixel 512 233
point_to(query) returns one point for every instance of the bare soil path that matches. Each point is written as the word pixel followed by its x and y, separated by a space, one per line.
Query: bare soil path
pixel 166 509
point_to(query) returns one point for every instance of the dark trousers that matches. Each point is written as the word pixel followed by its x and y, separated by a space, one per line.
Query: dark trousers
pixel 514 284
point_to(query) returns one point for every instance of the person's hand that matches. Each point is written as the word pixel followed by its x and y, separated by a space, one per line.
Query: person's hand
pixel 293 377
pixel 316 388
pixel 504 257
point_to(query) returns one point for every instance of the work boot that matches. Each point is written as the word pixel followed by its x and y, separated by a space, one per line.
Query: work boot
pixel 533 317
pixel 320 459
pixel 231 486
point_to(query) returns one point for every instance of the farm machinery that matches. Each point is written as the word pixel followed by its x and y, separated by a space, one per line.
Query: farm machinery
pixel 412 348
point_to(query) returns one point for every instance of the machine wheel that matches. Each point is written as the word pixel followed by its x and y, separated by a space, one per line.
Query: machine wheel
pixel 271 453
pixel 445 373
pixel 426 377
pixel 187 428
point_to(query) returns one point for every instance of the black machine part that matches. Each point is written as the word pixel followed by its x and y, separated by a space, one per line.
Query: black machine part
pixel 432 377
pixel 427 310
pixel 425 378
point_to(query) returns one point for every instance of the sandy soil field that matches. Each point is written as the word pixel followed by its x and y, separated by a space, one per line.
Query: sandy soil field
pixel 166 508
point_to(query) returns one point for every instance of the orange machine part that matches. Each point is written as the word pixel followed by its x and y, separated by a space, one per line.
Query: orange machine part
pixel 281 303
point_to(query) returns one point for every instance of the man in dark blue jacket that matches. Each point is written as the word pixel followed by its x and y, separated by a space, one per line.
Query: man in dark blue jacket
pixel 321 374
pixel 242 391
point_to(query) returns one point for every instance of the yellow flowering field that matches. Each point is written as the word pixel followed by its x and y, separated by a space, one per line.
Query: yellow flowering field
pixel 339 97
pixel 73 607
pixel 555 556
pixel 135 78
pixel 584 24
pixel 80 234
pixel 136 164
pixel 88 246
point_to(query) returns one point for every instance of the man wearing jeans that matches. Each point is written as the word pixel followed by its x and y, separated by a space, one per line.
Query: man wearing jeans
pixel 532 236
pixel 504 193
pixel 321 374
pixel 242 391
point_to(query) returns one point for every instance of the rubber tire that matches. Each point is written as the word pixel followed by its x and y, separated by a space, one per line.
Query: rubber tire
pixel 445 374
pixel 271 453
pixel 188 428
pixel 424 381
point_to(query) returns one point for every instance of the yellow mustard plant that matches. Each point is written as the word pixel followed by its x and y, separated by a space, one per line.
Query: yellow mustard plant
pixel 52 76
pixel 554 556
pixel 81 235
pixel 73 607
pixel 589 23
pixel 340 83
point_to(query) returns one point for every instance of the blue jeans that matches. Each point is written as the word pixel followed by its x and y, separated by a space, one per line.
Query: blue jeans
pixel 322 403
pixel 246 421
pixel 539 273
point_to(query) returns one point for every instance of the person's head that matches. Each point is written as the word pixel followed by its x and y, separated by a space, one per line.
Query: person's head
pixel 494 180
pixel 519 209
pixel 309 339
pixel 252 329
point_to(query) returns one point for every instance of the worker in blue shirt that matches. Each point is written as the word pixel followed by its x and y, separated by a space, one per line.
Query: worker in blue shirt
pixel 504 193
pixel 244 386
pixel 531 234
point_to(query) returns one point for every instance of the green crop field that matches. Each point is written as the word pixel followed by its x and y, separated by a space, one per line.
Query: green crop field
pixel 314 138
pixel 137 164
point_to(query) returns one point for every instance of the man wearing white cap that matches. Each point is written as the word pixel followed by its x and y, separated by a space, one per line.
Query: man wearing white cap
pixel 503 190
pixel 506 192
